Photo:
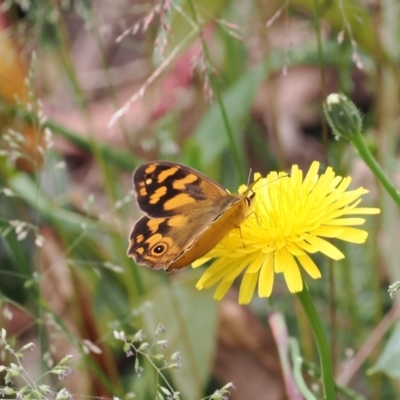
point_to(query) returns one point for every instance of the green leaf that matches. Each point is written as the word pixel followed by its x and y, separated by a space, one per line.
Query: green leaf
pixel 165 390
pixel 26 188
pixel 160 396
pixel 210 134
pixel 189 317
pixel 389 360
pixel 9 391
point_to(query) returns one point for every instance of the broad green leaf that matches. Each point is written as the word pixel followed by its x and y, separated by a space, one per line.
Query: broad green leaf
pixel 211 134
pixel 27 189
pixel 189 317
pixel 389 360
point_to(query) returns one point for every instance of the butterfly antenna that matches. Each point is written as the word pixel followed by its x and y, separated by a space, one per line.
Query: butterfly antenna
pixel 249 177
pixel 276 179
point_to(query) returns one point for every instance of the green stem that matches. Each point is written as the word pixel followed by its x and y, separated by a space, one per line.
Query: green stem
pixel 358 142
pixel 322 343
pixel 322 75
pixel 332 291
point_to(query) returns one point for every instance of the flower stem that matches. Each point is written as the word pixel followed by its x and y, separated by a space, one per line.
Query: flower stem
pixel 322 343
pixel 358 142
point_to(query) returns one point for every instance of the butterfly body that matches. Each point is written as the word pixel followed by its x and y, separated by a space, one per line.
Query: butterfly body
pixel 186 215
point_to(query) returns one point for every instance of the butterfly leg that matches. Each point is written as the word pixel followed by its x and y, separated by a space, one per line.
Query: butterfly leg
pixel 240 232
pixel 258 221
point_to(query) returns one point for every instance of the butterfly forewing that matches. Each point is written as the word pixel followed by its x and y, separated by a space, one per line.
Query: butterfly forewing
pixel 165 189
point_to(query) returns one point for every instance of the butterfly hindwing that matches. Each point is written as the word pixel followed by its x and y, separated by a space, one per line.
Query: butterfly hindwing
pixel 159 242
pixel 145 236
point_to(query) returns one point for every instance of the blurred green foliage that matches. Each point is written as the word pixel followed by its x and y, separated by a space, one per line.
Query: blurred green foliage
pixel 85 219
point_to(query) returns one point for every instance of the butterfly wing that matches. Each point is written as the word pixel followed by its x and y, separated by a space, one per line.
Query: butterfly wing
pixel 172 243
pixel 165 189
pixel 187 214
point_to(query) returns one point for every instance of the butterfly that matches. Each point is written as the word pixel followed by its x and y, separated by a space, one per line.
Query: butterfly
pixel 186 215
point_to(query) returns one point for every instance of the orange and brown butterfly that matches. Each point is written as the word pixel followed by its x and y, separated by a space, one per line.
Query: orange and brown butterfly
pixel 186 215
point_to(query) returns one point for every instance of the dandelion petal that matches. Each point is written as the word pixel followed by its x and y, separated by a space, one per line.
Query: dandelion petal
pixel 308 264
pixel 294 249
pixel 292 275
pixel 308 247
pixel 365 211
pixel 247 288
pixel 199 262
pixel 279 261
pixel 222 289
pixel 236 269
pixel 353 235
pixel 325 247
pixel 266 278
pixel 255 263
pixel 328 231
pixel 213 274
pixel 309 180
pixel 345 221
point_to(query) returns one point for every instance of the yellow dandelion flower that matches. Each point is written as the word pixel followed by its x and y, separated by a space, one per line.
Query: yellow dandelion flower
pixel 289 220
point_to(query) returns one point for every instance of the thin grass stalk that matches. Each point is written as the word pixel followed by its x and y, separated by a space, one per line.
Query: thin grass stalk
pixel 218 95
pixel 331 278
pixel 108 78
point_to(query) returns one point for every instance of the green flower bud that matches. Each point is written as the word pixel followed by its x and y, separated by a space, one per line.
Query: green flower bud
pixel 342 115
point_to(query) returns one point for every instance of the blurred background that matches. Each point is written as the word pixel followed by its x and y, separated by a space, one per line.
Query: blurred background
pixel 91 89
